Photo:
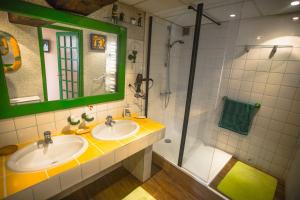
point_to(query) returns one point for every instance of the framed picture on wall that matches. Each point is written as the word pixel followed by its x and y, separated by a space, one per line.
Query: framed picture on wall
pixel 46 46
pixel 97 42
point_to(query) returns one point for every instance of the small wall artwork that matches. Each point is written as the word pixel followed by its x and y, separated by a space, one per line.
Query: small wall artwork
pixel 98 42
pixel 46 46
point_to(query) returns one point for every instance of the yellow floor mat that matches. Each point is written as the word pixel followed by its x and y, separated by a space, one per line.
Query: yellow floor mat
pixel 139 194
pixel 243 182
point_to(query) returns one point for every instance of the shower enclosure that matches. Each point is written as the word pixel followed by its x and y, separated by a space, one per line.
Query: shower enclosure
pixel 253 59
pixel 171 52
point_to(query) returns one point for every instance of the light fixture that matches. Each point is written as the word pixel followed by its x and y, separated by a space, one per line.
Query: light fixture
pixel 259 37
pixel 232 15
pixel 295 18
pixel 295 3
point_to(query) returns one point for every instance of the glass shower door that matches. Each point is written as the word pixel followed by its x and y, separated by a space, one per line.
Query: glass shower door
pixel 201 157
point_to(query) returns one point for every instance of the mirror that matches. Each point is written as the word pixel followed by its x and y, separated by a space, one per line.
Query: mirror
pixel 45 61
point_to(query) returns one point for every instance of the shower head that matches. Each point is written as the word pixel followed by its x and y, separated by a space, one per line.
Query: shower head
pixel 177 41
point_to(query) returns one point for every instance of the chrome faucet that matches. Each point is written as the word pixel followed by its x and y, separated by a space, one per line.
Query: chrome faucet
pixel 47 139
pixel 109 121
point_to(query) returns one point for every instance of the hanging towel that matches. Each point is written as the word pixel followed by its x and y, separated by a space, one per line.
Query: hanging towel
pixel 237 116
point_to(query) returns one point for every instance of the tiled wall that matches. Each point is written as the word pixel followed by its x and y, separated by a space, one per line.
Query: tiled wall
pixel 253 77
pixel 27 128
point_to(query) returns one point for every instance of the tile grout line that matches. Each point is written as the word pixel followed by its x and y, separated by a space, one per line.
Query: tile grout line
pixel 95 146
pixel 4 178
pixel 46 172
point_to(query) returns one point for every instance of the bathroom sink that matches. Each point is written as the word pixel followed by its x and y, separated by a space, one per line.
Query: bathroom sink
pixel 121 129
pixel 34 157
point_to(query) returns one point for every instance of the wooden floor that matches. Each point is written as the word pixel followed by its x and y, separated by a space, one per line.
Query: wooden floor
pixel 120 183
pixel 279 195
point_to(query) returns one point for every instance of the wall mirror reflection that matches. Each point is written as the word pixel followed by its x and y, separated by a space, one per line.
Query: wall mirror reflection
pixel 46 61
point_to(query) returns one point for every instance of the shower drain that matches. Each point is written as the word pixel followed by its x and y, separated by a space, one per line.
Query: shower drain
pixel 168 140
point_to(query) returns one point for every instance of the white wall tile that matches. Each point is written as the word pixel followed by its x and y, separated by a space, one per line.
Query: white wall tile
pixel 248 76
pixel 292 130
pixel 278 66
pixel 264 65
pixel 275 78
pixel 22 195
pixel 106 161
pixel 291 80
pixel 25 121
pixel 46 127
pixel 251 65
pixel 259 88
pixel 47 188
pixel 284 104
pixel 70 178
pixel 272 90
pixel 293 67
pixel 287 92
pixel 27 134
pixel 246 86
pixel 280 115
pixel 261 77
pixel 90 168
pixel 295 107
pixel 44 118
pixel 6 125
pixel 61 115
pixel 8 138
pixel 269 101
pixel 295 55
pixel 294 119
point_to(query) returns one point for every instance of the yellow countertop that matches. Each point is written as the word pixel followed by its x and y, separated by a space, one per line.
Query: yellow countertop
pixel 12 182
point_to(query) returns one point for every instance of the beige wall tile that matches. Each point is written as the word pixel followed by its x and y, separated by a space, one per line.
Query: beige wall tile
pixel 70 178
pixel 25 121
pixel 47 188
pixel 6 125
pixel 106 161
pixel 27 134
pixel 61 115
pixel 8 138
pixel 121 153
pixel 46 127
pixel 90 168
pixel 22 195
pixel 44 118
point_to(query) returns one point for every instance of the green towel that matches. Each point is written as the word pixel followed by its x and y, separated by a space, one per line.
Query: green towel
pixel 237 116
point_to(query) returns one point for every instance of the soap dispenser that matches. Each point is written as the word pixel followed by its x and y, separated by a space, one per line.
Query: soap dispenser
pixel 73 121
pixel 87 119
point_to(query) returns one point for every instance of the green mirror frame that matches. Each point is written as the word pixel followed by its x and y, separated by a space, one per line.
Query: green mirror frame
pixel 44 13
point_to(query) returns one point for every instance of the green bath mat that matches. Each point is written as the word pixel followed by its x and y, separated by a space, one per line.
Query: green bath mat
pixel 243 182
pixel 139 194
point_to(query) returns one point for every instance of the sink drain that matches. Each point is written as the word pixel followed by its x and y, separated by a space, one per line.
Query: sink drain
pixel 168 140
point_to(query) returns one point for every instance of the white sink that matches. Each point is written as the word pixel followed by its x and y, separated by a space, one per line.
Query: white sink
pixel 34 158
pixel 120 130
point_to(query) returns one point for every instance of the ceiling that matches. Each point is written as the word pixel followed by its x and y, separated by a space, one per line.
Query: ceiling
pixel 177 12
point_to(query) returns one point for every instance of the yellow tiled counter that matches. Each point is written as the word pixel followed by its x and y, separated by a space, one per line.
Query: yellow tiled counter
pixel 98 156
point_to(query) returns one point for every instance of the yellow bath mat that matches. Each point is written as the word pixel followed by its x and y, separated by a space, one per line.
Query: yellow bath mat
pixel 139 194
pixel 243 182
